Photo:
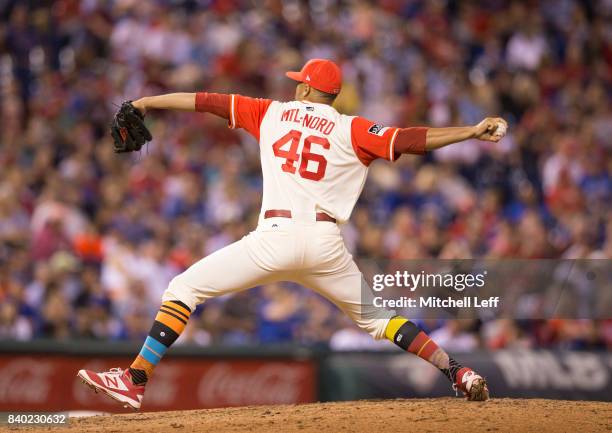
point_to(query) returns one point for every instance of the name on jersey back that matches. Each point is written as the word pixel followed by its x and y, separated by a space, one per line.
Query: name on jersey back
pixel 307 120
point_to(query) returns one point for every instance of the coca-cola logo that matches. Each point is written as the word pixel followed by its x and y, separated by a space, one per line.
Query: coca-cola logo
pixel 25 381
pixel 273 383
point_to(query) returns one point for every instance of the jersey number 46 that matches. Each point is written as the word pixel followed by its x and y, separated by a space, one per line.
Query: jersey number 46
pixel 291 156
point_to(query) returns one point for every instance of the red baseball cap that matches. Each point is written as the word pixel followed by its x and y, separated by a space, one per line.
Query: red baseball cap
pixel 322 74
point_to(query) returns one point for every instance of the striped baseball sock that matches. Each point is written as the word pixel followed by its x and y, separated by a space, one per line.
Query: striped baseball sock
pixel 169 323
pixel 411 338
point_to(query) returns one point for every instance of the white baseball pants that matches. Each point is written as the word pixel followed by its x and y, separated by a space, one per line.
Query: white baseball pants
pixel 309 253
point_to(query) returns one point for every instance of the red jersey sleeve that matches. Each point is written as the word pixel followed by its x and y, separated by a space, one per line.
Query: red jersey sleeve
pixel 372 140
pixel 215 103
pixel 248 113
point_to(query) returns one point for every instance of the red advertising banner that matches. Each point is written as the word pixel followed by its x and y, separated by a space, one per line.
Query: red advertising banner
pixel 49 383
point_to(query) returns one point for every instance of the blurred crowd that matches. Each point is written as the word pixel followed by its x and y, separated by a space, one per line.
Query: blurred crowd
pixel 89 239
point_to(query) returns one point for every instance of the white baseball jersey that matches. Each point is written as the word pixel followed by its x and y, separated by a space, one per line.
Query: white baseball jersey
pixel 313 158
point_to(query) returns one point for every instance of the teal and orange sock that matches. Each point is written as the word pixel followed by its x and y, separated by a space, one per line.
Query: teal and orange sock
pixel 169 324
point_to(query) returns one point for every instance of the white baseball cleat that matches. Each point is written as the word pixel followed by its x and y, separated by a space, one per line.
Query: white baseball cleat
pixel 473 386
pixel 115 383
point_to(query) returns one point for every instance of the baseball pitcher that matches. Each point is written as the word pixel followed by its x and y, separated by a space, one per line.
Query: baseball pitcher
pixel 314 162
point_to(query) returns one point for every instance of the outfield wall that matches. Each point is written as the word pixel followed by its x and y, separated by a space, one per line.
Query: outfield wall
pixel 568 375
pixel 42 375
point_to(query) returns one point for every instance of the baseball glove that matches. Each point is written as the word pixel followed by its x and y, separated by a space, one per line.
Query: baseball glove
pixel 128 129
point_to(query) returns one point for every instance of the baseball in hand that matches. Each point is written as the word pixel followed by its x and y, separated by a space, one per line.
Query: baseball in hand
pixel 500 130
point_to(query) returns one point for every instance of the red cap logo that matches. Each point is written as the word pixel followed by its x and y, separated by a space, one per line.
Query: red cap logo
pixel 322 74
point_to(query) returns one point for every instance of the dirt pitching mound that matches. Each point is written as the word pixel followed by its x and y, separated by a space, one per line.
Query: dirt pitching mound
pixel 422 415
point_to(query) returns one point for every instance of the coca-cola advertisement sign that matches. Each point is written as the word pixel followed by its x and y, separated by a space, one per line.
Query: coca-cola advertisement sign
pixel 270 383
pixel 49 383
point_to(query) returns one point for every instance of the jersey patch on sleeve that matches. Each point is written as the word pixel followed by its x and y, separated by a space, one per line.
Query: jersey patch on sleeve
pixel 378 129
